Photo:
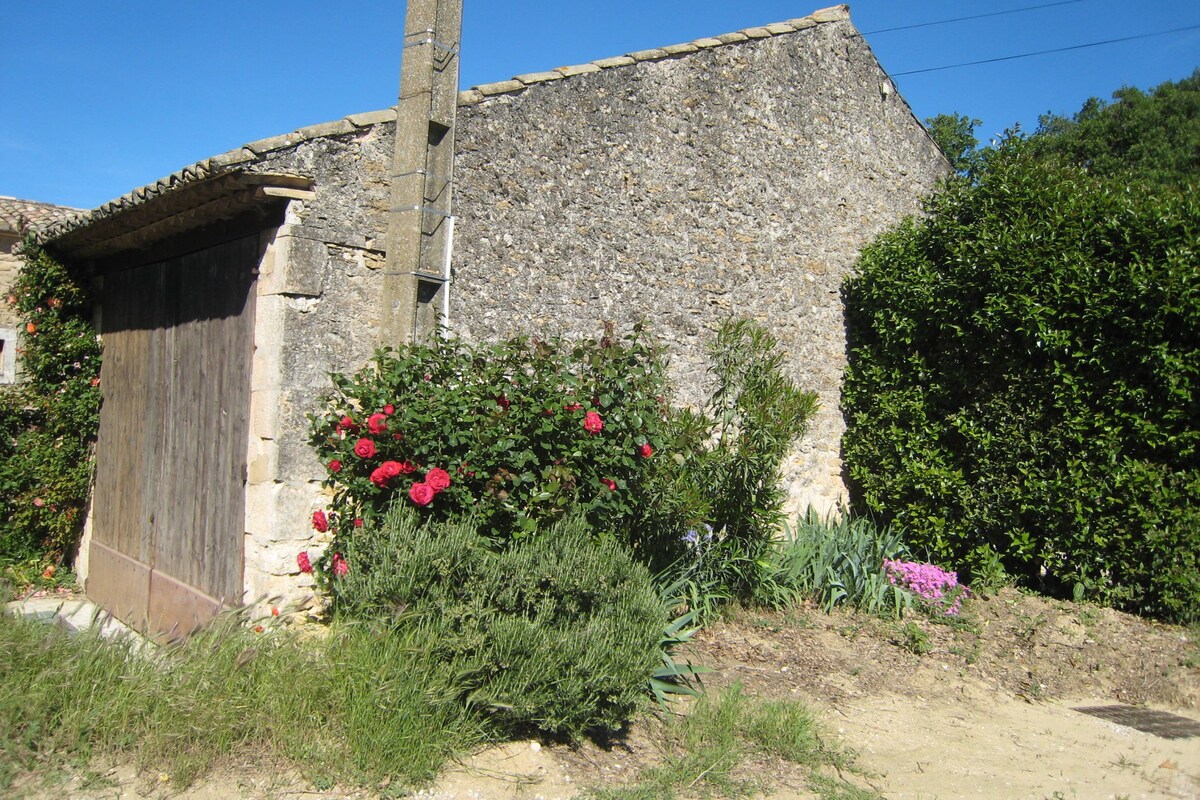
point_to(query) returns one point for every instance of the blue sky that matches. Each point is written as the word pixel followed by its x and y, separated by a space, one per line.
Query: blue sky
pixel 97 98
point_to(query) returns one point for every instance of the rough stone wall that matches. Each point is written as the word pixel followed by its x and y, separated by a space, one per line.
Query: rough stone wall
pixel 10 265
pixel 317 312
pixel 738 181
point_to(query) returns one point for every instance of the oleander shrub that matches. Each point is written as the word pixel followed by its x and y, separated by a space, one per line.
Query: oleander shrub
pixel 1024 383
pixel 558 632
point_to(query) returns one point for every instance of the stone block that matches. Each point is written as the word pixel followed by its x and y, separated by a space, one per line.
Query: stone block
pixel 293 265
pixel 500 87
pixel 756 33
pixel 680 49
pixel 232 158
pixel 616 61
pixel 369 118
pixel 802 23
pixel 654 54
pixel 577 69
pixel 731 38
pixel 264 413
pixel 707 42
pixel 777 28
pixel 263 146
pixel 261 461
pixel 831 14
pixel 539 77
pixel 337 127
pixel 470 97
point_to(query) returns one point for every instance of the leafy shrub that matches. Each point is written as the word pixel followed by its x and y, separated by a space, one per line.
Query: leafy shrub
pixel 837 560
pixel 526 431
pixel 519 431
pixel 1024 380
pixel 558 631
pixel 49 421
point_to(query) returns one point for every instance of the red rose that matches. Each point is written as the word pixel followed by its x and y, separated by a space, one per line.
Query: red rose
pixel 364 448
pixel 572 407
pixel 358 523
pixel 646 450
pixel 407 468
pixel 399 437
pixel 377 423
pixel 340 567
pixel 335 466
pixel 303 562
pixel 610 483
pixel 592 422
pixel 347 425
pixel 391 468
pixel 437 479
pixel 389 409
pixel 503 402
pixel 320 521
pixel 379 477
pixel 421 493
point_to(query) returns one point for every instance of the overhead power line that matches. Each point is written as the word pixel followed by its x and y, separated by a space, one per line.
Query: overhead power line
pixel 974 16
pixel 1045 52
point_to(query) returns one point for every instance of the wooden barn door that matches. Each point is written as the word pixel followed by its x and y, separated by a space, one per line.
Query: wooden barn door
pixel 168 506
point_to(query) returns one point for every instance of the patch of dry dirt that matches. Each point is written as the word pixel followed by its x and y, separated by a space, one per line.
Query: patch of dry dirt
pixel 984 712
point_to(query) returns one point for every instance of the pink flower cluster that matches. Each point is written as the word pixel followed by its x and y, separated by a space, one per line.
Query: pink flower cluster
pixel 935 586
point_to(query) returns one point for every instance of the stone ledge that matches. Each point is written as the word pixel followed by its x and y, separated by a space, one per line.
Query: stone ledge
pixel 478 94
pixel 372 117
pixel 539 77
pixel 578 69
pixel 615 61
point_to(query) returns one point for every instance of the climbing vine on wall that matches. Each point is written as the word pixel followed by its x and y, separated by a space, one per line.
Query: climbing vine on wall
pixel 48 420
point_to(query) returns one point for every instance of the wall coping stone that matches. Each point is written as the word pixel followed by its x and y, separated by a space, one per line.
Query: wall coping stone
pixel 248 155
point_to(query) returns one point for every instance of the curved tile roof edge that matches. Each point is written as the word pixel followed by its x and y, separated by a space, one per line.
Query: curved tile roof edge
pixel 251 153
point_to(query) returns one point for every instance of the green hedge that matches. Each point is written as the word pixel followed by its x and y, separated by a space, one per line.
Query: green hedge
pixel 1024 380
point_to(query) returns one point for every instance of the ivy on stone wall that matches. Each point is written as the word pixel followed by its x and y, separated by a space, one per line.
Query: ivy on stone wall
pixel 48 421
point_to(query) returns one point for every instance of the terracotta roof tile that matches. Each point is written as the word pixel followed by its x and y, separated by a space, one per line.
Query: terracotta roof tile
pixel 15 214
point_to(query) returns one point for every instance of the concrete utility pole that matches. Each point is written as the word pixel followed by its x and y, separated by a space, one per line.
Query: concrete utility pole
pixel 416 272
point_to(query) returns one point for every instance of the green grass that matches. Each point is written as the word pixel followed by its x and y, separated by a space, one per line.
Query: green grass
pixel 703 750
pixel 356 707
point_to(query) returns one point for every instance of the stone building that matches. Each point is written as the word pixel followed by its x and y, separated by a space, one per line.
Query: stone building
pixel 15 217
pixel 731 176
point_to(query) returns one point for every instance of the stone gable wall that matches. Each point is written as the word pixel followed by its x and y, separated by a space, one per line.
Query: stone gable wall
pixel 738 181
pixel 734 180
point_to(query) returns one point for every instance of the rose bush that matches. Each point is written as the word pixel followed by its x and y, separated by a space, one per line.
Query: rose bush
pixel 514 432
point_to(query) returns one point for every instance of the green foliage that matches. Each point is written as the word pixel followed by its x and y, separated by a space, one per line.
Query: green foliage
pixel 1145 136
pixel 508 423
pixel 955 134
pixel 559 632
pixel 734 456
pixel 837 560
pixel 49 421
pixel 361 706
pixel 1024 382
pixel 527 431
